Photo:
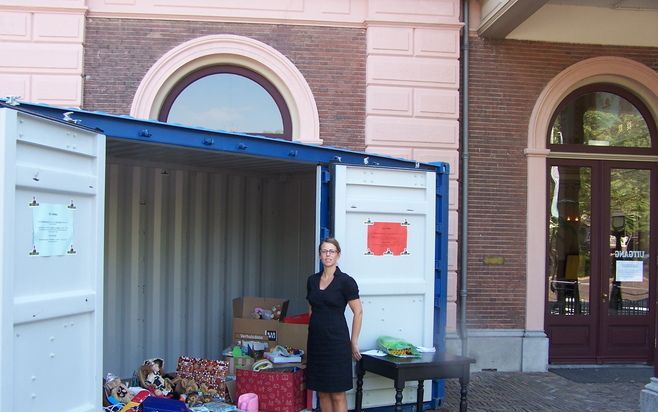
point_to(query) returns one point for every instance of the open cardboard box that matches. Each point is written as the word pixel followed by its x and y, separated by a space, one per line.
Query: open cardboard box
pixel 293 335
pixel 271 332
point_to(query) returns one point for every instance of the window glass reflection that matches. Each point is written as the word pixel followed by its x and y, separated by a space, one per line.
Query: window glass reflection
pixel 628 284
pixel 227 101
pixel 600 119
pixel 569 248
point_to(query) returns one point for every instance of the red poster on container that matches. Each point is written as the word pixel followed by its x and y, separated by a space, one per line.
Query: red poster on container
pixel 387 238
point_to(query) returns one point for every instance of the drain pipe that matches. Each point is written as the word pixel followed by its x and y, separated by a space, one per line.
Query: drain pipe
pixel 463 235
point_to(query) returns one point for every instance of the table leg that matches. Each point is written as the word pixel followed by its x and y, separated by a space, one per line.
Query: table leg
pixel 419 396
pixel 463 403
pixel 359 387
pixel 398 397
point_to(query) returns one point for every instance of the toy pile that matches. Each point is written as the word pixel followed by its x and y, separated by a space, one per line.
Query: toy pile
pixel 119 397
pixel 197 386
pixel 263 370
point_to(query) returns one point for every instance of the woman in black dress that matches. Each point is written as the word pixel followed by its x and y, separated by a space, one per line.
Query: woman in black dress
pixel 330 349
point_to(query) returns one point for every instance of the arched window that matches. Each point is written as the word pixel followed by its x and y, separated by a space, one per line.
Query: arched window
pixel 602 118
pixel 230 98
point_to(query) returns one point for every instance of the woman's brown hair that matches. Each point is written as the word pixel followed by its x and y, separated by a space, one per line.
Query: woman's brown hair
pixel 330 240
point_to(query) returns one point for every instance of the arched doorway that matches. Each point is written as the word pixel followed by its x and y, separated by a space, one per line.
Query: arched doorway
pixel 601 227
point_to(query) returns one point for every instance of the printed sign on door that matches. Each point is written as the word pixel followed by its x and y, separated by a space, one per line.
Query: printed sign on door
pixel 387 238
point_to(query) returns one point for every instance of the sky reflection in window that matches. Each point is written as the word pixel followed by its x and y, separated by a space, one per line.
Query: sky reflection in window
pixel 228 102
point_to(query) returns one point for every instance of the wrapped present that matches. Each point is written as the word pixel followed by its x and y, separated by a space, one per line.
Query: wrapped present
pixel 277 391
pixel 209 372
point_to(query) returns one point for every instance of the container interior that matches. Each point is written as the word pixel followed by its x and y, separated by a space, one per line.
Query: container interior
pixel 188 230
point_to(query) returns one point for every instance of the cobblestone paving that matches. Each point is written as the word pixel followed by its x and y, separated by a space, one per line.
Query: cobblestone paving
pixel 535 392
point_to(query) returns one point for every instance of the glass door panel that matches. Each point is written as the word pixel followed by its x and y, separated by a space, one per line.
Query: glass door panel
pixel 628 283
pixel 569 246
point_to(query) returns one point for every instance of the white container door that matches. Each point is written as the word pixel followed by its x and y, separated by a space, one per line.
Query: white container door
pixel 51 205
pixel 385 222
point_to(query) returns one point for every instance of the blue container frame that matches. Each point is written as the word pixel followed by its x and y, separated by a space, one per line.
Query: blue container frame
pixel 151 131
pixel 440 272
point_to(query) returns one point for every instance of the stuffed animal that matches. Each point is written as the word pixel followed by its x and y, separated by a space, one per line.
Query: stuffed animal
pixel 260 313
pixel 116 390
pixel 276 312
pixel 187 386
pixel 205 390
pixel 157 384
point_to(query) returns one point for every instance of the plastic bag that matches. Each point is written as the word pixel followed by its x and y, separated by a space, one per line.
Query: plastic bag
pixel 397 347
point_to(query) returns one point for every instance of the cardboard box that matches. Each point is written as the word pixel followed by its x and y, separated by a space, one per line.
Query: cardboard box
pixel 230 387
pixel 271 332
pixel 293 335
pixel 244 306
pixel 277 391
pixel 246 328
pixel 243 362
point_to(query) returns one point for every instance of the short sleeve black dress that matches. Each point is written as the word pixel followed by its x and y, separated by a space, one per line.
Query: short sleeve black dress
pixel 329 348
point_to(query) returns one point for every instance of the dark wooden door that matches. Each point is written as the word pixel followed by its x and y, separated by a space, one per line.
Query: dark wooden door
pixel 601 264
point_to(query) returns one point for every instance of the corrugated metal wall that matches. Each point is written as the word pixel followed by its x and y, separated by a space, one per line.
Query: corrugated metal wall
pixel 181 244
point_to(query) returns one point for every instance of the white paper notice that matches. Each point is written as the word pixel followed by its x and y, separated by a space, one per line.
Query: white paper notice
pixel 52 229
pixel 629 271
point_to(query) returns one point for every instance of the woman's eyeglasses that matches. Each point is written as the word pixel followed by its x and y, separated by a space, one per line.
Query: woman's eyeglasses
pixel 328 252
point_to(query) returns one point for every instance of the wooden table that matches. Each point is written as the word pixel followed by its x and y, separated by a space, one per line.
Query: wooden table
pixel 430 366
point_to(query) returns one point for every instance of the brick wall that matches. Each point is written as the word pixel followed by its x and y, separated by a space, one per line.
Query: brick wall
pixel 506 78
pixel 119 52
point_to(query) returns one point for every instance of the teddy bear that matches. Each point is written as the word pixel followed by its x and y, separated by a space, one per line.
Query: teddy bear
pixel 207 391
pixel 186 386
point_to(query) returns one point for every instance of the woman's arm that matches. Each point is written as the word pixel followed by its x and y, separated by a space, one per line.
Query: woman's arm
pixel 357 310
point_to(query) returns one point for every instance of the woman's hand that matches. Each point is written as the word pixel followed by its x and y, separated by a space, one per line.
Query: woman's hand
pixel 357 310
pixel 356 354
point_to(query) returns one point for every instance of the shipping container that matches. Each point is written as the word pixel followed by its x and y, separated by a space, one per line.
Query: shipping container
pixel 125 239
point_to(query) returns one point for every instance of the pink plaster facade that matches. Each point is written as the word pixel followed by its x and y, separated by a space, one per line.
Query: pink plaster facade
pixel 412 78
pixel 43 49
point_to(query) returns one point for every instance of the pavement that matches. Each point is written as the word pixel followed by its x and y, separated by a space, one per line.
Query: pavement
pixel 572 389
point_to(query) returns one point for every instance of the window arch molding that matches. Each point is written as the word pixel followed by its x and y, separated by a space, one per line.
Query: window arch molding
pixel 634 76
pixel 630 74
pixel 237 51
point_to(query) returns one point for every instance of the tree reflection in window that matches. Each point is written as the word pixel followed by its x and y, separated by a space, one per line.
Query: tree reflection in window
pixel 601 116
